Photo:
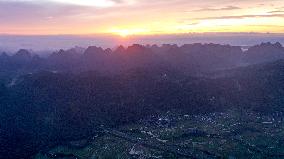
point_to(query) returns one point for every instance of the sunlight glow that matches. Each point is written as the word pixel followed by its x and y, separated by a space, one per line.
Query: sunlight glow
pixel 128 32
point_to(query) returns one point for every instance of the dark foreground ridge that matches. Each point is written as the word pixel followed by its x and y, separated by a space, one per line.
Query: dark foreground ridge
pixel 192 101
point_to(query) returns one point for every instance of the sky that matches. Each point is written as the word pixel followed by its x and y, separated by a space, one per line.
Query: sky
pixel 139 17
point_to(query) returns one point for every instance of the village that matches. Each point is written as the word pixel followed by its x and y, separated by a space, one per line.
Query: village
pixel 231 134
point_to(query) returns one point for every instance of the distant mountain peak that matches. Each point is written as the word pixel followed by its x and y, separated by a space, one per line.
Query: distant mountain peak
pixel 136 48
pixel 264 52
pixel 120 49
pixel 269 44
pixel 93 50
pixel 24 53
pixel 4 54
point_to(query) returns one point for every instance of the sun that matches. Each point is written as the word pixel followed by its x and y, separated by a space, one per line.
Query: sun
pixel 123 33
pixel 128 32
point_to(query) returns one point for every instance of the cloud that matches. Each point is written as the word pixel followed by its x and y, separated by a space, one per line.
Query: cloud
pixel 243 16
pixel 96 16
pixel 95 3
pixel 24 10
pixel 217 9
pixel 276 11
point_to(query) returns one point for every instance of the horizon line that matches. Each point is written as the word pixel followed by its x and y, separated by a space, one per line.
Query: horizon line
pixel 143 35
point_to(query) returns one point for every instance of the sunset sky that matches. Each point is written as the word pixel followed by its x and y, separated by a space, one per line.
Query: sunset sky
pixel 131 17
